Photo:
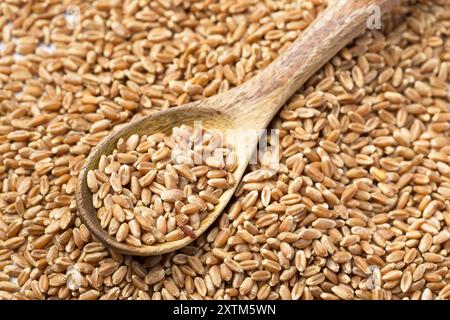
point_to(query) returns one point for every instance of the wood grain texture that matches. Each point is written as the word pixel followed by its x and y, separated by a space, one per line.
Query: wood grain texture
pixel 250 106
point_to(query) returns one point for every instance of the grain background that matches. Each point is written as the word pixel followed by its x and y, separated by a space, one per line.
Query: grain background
pixel 360 208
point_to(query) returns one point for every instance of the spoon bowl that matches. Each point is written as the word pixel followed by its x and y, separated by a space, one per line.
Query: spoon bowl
pixel 159 122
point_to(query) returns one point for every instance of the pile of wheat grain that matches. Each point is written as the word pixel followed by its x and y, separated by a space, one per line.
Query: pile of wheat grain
pixel 360 208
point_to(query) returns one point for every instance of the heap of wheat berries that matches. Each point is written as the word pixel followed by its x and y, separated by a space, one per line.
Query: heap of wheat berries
pixel 158 188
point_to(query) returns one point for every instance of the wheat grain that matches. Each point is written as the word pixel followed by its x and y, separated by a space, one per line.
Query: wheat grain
pixel 359 206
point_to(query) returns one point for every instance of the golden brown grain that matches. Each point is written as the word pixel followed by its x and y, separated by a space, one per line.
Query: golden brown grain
pixel 167 215
pixel 358 209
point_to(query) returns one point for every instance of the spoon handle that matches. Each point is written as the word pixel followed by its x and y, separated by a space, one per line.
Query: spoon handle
pixel 256 102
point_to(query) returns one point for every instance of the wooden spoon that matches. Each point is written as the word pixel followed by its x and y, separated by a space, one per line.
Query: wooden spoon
pixel 251 106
